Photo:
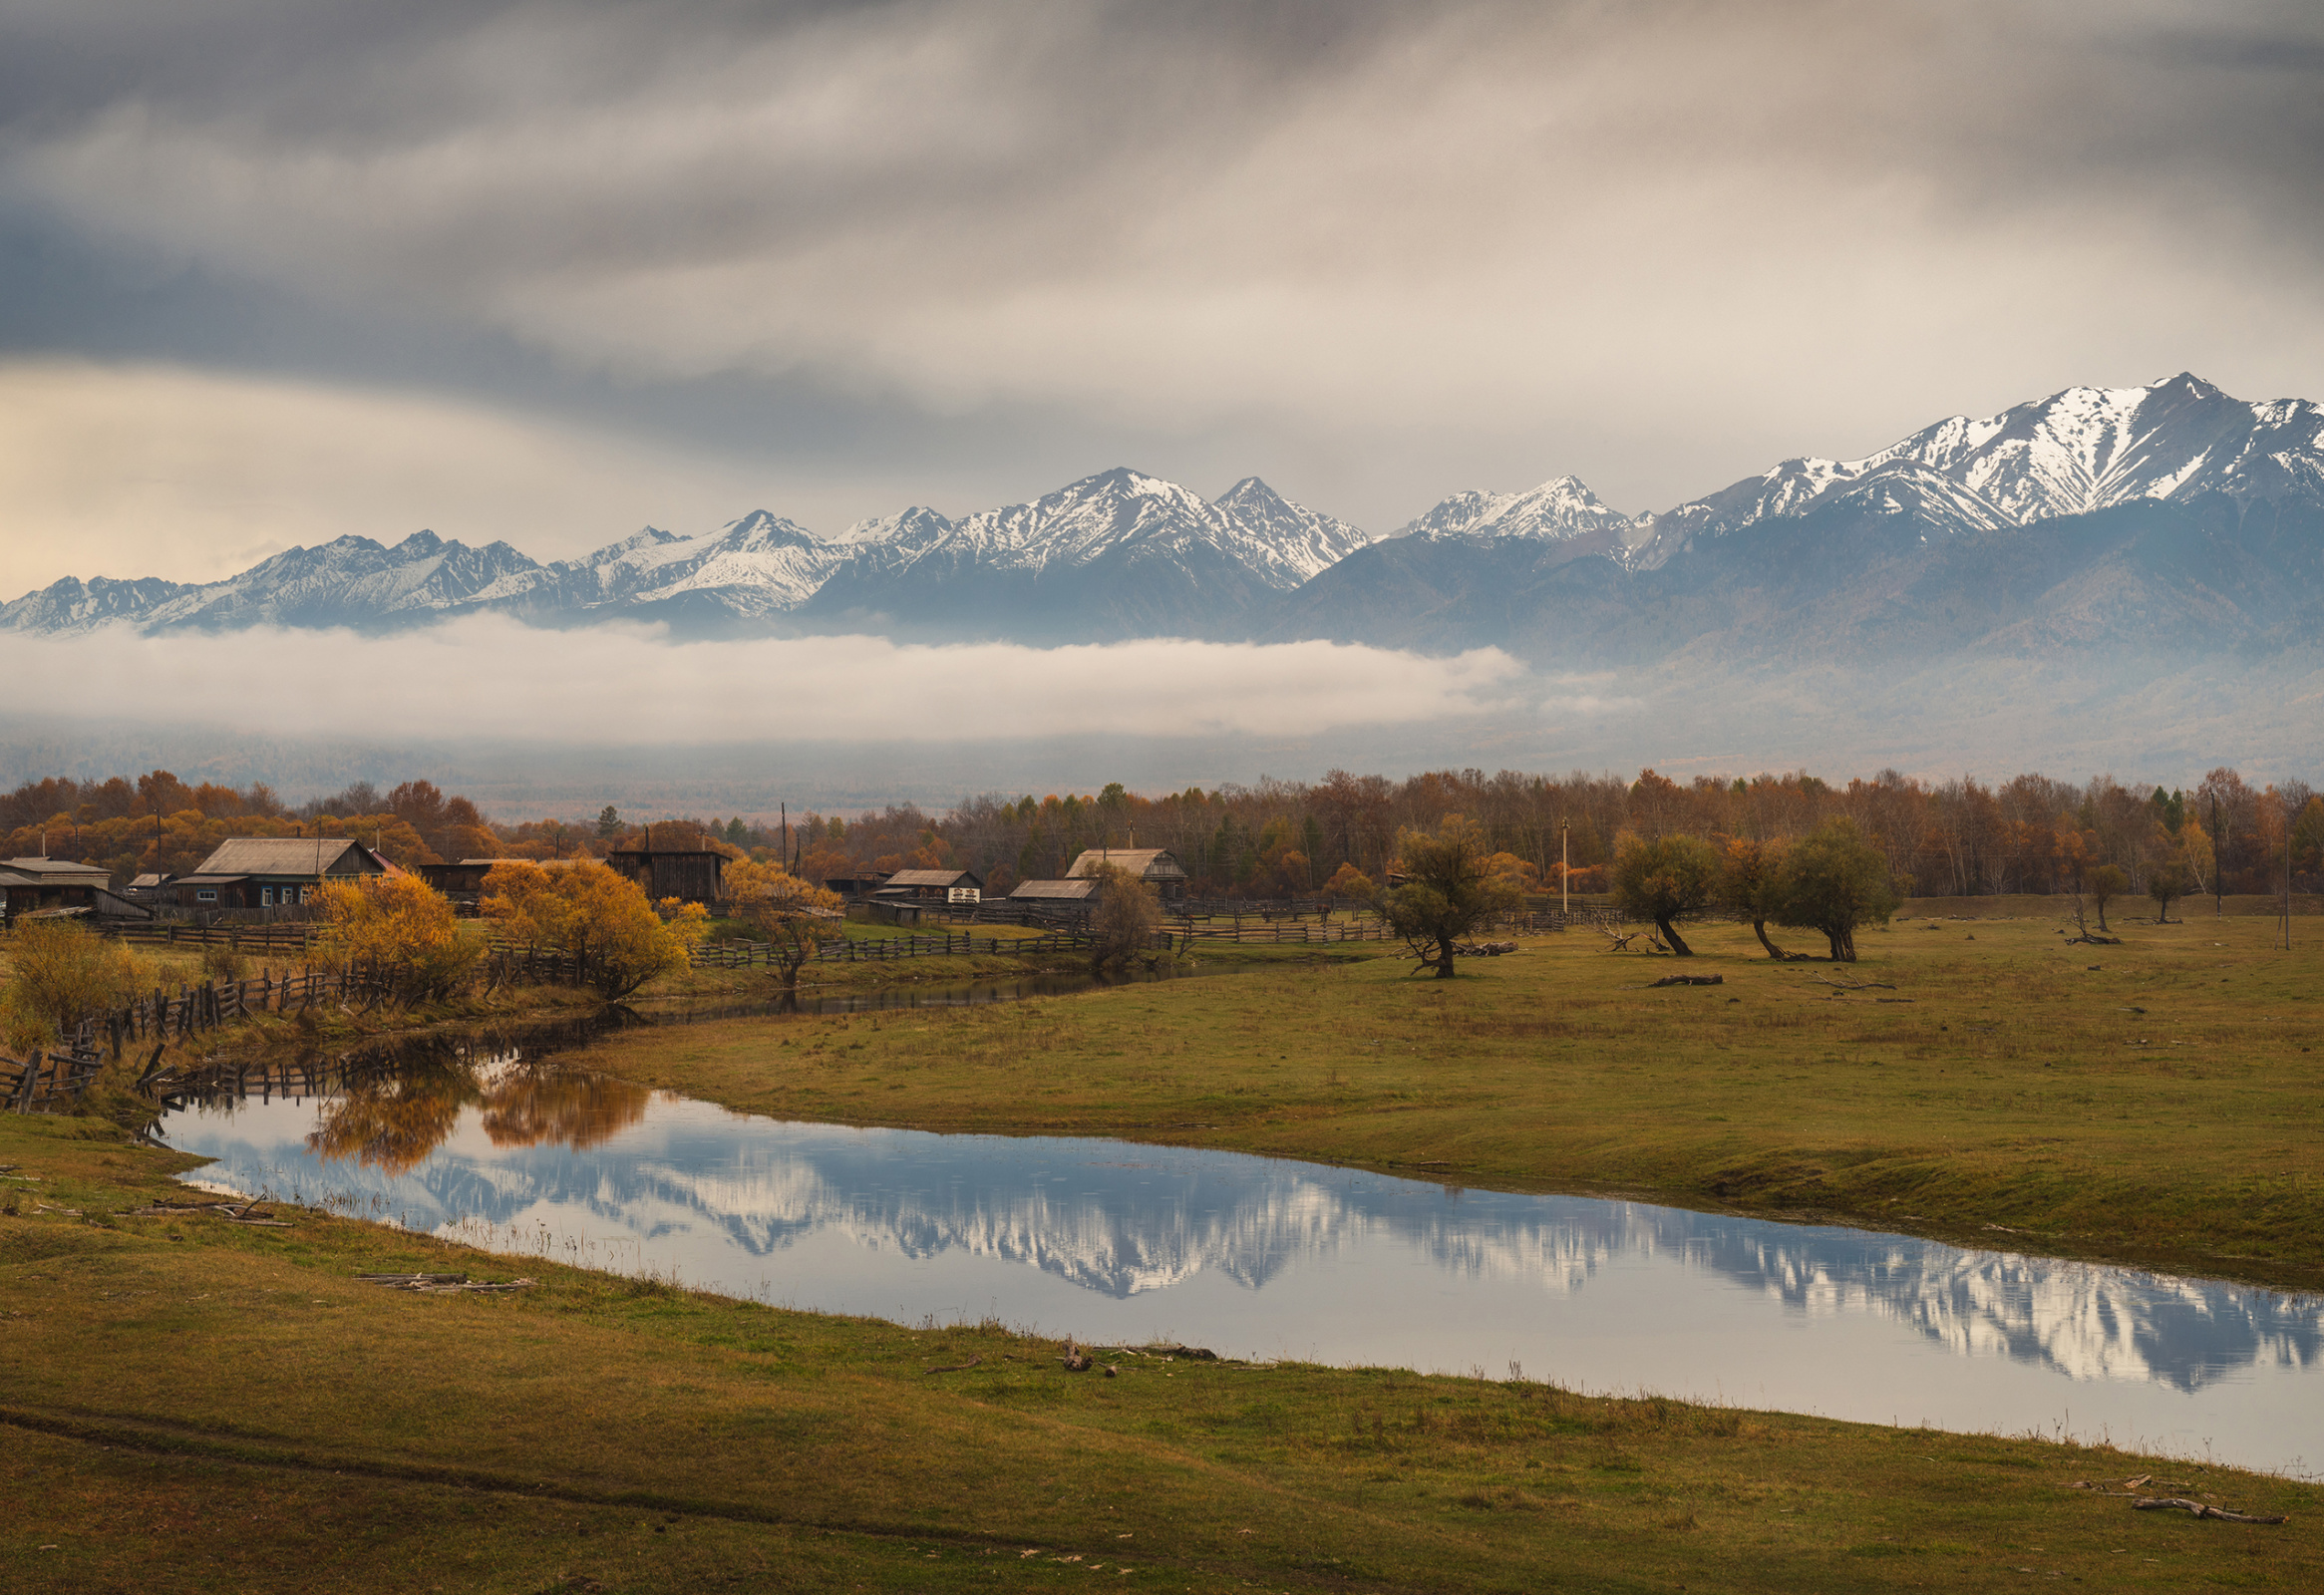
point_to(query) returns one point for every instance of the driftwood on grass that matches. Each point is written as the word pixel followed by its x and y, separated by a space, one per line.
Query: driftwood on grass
pixel 1687 980
pixel 1851 984
pixel 2171 1504
pixel 441 1284
pixel 1621 943
pixel 1074 1359
pixel 2176 1503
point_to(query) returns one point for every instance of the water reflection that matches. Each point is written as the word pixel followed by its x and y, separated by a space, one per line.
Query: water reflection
pixel 393 1122
pixel 1265 1257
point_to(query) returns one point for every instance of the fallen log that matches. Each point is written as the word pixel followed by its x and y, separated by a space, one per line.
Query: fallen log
pixel 440 1284
pixel 2180 1503
pixel 1074 1359
pixel 1687 980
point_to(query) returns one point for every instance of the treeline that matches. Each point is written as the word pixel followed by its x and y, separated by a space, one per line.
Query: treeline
pixel 2030 833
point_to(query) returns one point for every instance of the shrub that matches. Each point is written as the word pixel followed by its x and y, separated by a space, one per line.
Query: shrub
pixel 64 973
pixel 795 916
pixel 1128 916
pixel 584 908
pixel 405 930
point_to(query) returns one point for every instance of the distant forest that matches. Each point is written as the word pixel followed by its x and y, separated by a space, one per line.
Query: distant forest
pixel 1277 838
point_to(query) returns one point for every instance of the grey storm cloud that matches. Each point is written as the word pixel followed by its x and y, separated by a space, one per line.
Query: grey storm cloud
pixel 1382 251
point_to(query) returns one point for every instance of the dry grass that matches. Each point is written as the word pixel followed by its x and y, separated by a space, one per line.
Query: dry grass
pixel 230 1410
pixel 2157 1109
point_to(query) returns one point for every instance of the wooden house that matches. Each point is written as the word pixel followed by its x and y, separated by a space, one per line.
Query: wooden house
pixel 856 885
pixel 934 885
pixel 462 880
pixel 690 875
pixel 273 871
pixel 1156 866
pixel 29 885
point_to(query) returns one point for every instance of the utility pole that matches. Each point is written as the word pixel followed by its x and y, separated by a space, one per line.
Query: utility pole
pixel 1565 870
pixel 783 808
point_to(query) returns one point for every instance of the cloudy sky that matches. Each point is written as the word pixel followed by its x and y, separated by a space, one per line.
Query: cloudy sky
pixel 274 271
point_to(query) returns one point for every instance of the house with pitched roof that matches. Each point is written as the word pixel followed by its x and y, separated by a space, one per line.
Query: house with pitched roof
pixel 273 871
pixel 1156 866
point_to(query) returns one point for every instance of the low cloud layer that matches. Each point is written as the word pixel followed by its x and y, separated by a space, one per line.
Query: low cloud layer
pixel 490 677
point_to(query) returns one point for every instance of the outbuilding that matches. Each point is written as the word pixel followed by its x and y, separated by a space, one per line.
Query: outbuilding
pixel 934 885
pixel 690 875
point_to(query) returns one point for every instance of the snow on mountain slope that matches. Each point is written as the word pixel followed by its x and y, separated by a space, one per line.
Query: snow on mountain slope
pixel 2076 451
pixel 1556 510
pixel 348 581
pixel 1109 516
pixel 759 564
pixel 1287 543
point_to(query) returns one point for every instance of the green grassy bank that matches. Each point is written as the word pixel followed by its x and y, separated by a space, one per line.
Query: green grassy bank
pixel 2156 1102
pixel 189 1405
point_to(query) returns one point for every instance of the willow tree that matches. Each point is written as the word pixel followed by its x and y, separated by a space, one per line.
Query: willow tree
pixel 1748 874
pixel 1832 881
pixel 795 916
pixel 1449 888
pixel 1664 878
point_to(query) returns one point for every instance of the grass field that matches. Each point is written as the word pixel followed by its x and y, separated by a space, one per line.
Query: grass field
pixel 2156 1102
pixel 193 1405
pixel 189 1405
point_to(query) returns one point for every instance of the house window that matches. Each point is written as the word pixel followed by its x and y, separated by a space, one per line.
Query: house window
pixel 205 895
pixel 267 896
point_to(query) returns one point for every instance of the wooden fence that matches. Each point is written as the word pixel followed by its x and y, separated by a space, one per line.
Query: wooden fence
pixel 52 1077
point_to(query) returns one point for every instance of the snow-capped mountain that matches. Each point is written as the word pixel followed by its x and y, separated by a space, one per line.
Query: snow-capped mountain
pixel 2076 451
pixel 1119 553
pixel 1115 554
pixel 1559 511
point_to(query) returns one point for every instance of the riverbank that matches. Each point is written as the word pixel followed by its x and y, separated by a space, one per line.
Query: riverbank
pixel 2146 1104
pixel 196 1405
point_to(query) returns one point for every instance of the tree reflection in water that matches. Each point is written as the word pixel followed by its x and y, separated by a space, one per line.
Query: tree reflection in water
pixel 392 1122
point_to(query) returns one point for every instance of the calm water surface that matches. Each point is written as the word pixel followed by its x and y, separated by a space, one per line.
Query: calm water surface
pixel 1259 1257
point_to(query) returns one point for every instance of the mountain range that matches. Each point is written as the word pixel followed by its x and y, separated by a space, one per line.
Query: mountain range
pixel 2169 516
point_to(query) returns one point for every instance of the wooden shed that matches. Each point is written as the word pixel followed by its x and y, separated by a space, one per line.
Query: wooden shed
pixel 690 875
pixel 934 885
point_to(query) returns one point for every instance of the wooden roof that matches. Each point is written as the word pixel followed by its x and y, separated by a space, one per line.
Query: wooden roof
pixel 934 877
pixel 1056 891
pixel 305 856
pixel 1152 863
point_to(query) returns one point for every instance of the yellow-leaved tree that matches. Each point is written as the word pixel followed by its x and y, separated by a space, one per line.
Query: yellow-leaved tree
pixel 64 973
pixel 598 915
pixel 795 916
pixel 405 930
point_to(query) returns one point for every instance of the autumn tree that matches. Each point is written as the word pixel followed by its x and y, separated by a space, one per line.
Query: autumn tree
pixel 1127 918
pixel 586 910
pixel 2104 884
pixel 1449 889
pixel 2166 882
pixel 403 931
pixel 1747 871
pixel 795 916
pixel 1664 878
pixel 1832 881
pixel 64 972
